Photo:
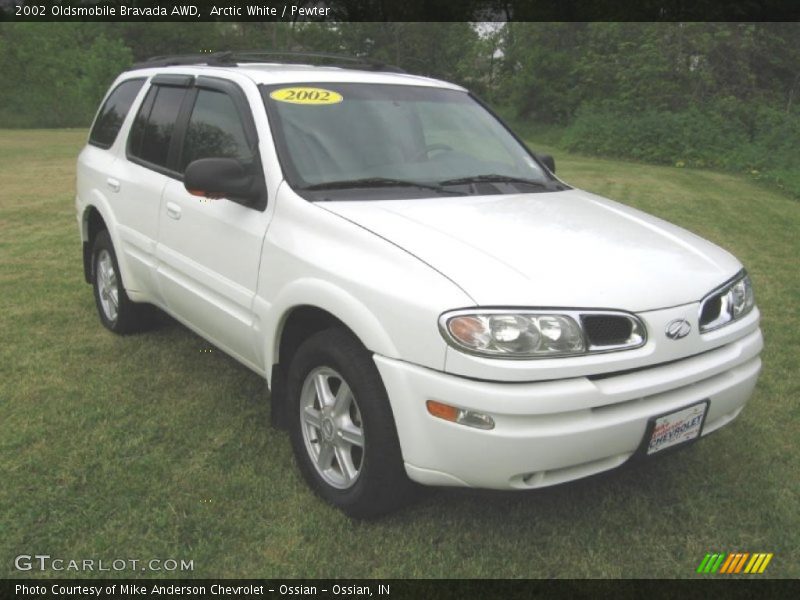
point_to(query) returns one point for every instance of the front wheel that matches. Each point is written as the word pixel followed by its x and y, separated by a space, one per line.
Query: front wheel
pixel 342 429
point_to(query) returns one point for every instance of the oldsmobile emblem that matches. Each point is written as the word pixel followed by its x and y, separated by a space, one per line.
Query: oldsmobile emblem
pixel 677 329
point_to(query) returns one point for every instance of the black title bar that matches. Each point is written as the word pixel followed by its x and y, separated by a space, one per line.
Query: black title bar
pixel 405 10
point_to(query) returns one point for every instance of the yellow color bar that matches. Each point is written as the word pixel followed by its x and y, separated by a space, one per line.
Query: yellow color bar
pixel 753 562
pixel 766 562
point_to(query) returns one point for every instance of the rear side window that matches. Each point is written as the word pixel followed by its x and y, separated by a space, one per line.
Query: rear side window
pixel 215 130
pixel 151 134
pixel 113 113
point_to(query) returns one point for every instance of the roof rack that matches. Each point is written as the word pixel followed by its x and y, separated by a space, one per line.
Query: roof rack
pixel 232 58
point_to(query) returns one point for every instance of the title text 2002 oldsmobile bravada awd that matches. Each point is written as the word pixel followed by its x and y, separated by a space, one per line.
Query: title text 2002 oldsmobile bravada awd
pixel 426 300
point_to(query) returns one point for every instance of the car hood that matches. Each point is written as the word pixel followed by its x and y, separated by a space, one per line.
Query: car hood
pixel 559 249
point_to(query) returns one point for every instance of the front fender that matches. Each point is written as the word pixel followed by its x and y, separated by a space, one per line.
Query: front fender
pixel 328 297
pixel 389 298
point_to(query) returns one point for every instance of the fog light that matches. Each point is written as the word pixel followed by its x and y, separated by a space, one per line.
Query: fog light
pixel 459 415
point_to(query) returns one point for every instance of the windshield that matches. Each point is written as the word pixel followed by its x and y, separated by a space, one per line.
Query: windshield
pixel 341 141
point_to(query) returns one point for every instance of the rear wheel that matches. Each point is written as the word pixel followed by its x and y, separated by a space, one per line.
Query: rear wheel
pixel 117 312
pixel 342 428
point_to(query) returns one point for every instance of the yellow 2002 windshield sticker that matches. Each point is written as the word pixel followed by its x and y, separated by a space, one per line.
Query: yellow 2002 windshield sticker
pixel 306 95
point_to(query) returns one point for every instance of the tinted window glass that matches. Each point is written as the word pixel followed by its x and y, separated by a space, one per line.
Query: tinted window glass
pixel 215 130
pixel 113 113
pixel 398 137
pixel 137 129
pixel 152 132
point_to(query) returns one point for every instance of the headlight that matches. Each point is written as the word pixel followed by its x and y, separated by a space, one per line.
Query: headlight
pixel 742 298
pixel 731 301
pixel 536 334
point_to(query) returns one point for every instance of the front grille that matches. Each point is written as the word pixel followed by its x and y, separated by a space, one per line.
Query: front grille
pixel 711 310
pixel 607 330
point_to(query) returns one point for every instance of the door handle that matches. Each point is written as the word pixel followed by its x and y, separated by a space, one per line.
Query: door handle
pixel 173 210
pixel 113 184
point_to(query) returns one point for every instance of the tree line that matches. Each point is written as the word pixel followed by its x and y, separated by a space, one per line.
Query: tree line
pixel 709 94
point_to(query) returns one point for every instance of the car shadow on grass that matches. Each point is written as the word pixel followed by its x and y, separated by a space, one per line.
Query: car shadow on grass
pixel 657 483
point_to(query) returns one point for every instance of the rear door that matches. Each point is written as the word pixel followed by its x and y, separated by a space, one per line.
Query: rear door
pixel 139 181
pixel 209 250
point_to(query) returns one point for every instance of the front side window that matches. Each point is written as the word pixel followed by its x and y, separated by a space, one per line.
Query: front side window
pixel 359 141
pixel 112 114
pixel 215 130
pixel 151 134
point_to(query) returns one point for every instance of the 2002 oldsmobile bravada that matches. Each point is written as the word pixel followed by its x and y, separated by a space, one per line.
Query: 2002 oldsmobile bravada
pixel 427 301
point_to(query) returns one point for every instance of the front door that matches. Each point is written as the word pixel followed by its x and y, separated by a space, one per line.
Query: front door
pixel 209 250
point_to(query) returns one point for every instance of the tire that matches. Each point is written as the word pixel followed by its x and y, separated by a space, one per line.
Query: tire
pixel 117 312
pixel 348 451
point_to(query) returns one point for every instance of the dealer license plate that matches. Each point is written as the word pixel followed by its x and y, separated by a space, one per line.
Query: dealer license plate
pixel 676 427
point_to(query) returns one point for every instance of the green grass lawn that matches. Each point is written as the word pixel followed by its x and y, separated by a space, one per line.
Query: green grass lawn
pixel 150 446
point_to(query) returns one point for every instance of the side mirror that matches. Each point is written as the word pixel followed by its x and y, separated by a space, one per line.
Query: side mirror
pixel 220 178
pixel 548 161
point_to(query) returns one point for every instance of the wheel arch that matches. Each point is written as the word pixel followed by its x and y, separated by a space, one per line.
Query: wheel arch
pixel 299 319
pixel 92 223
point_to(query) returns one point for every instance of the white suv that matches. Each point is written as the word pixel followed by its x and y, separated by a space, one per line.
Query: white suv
pixel 426 300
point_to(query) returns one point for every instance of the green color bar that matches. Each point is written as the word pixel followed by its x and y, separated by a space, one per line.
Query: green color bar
pixel 703 564
pixel 718 563
pixel 711 562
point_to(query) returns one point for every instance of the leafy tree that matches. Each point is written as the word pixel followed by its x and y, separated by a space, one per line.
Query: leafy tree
pixel 59 71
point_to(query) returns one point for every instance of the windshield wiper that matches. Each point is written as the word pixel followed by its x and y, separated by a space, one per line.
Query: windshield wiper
pixel 368 182
pixel 494 178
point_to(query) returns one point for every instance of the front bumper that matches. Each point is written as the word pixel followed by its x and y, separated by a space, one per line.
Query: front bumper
pixel 549 432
